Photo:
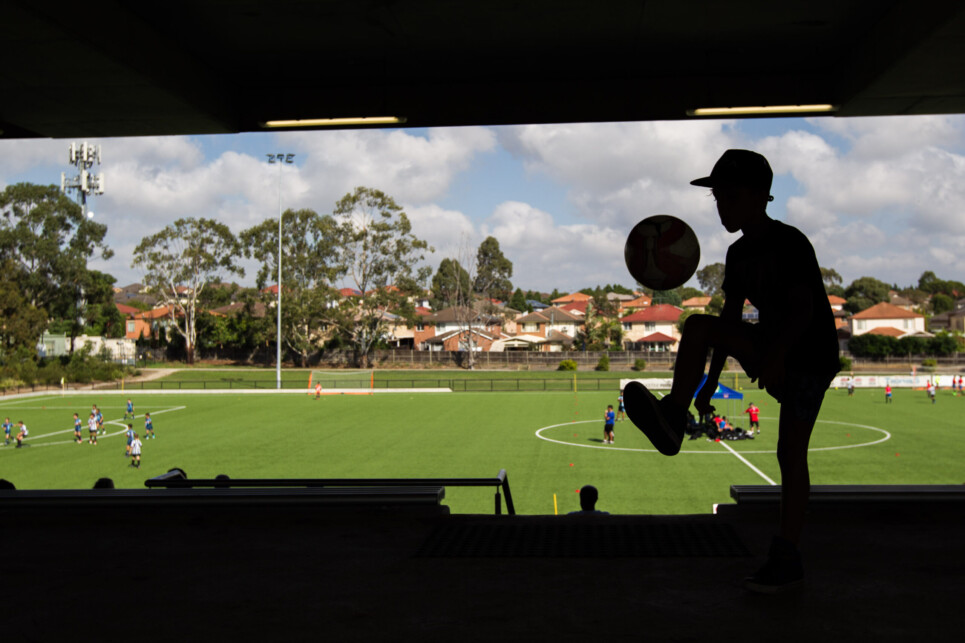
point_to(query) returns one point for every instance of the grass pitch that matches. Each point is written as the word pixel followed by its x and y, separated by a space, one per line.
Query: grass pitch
pixel 549 443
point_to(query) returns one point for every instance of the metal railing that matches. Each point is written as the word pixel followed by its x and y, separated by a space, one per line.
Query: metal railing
pixel 176 479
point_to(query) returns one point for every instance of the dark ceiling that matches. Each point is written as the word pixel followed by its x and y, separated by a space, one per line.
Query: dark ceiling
pixel 219 66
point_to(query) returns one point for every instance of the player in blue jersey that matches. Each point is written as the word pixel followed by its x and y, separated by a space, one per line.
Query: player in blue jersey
pixel 148 427
pixel 7 427
pixel 77 429
pixel 608 418
pixel 130 439
pixel 99 417
pixel 129 413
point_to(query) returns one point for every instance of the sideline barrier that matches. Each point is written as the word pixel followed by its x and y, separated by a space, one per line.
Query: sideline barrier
pixel 841 494
pixel 175 479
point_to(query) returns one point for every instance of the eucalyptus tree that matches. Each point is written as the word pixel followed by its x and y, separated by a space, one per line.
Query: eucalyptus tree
pixel 180 261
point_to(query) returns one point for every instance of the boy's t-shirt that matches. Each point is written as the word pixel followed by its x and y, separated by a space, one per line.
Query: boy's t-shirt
pixel 766 269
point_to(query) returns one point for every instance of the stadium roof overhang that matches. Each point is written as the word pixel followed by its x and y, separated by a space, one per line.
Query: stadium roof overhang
pixel 208 66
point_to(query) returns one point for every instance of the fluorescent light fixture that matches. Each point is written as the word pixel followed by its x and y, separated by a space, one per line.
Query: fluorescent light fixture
pixel 762 109
pixel 335 122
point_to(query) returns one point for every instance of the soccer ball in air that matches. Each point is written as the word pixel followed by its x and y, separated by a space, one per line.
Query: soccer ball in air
pixel 662 252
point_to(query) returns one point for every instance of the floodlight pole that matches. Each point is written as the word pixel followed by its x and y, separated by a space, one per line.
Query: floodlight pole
pixel 280 159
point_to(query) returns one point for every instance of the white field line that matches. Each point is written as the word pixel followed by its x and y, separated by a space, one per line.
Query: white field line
pixel 120 423
pixel 744 460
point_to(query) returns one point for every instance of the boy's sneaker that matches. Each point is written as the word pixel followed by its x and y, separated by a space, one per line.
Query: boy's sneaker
pixel 782 571
pixel 660 420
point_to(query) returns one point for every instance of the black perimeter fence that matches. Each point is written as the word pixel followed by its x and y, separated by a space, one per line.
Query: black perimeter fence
pixel 335 384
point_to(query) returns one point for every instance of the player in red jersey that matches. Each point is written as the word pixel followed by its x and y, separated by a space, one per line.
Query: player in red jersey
pixel 754 414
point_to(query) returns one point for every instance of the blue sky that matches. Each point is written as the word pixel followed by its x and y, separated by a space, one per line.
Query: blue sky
pixel 881 197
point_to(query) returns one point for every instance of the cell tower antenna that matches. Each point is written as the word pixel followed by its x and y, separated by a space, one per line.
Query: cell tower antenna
pixel 83 156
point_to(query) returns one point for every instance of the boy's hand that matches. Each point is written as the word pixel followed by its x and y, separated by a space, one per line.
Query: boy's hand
pixel 702 401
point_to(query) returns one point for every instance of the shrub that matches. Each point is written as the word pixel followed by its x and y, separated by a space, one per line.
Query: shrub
pixel 639 364
pixel 567 365
pixel 928 364
pixel 603 364
pixel 844 363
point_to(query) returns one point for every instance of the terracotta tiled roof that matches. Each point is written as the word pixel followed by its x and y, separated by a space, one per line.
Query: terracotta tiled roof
pixel 658 338
pixel 349 292
pixel 640 302
pixel 557 315
pixel 127 310
pixel 695 302
pixel 658 313
pixel 887 331
pixel 834 300
pixel 573 296
pixel 462 314
pixel 576 307
pixel 884 310
pixel 156 313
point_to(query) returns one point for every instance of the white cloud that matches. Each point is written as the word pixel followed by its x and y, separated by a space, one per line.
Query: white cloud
pixel 883 196
pixel 546 255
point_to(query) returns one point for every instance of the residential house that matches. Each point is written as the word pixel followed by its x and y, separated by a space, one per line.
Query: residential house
pixel 653 328
pixel 544 322
pixel 449 324
pixel 696 303
pixel 642 300
pixel 885 319
pixel 837 303
pixel 952 320
pixel 575 307
pixel 840 316
pixel 902 302
pixel 147 323
pixel 120 350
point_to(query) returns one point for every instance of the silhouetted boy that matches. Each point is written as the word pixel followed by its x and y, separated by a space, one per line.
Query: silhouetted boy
pixel 792 352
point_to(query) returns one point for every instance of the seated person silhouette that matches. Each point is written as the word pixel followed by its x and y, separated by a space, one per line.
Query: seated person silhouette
pixel 588 497
pixel 792 351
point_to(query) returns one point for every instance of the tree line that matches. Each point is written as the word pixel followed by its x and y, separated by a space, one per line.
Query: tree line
pixel 366 241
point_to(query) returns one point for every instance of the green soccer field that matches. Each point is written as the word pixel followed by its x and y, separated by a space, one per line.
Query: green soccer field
pixel 549 443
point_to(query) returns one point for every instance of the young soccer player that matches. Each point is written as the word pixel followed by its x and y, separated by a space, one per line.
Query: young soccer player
pixel 792 351
pixel 21 433
pixel 608 419
pixel 129 411
pixel 621 409
pixel 148 427
pixel 130 440
pixel 77 429
pixel 136 452
pixel 92 429
pixel 318 390
pixel 100 420
pixel 754 413
pixel 7 427
pixel 888 393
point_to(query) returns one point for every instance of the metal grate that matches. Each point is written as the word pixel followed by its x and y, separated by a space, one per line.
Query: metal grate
pixel 583 541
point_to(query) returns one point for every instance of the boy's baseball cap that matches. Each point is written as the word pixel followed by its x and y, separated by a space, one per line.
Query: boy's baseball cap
pixel 739 167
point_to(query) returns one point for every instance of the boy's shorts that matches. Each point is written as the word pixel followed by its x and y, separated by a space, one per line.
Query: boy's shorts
pixel 803 392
